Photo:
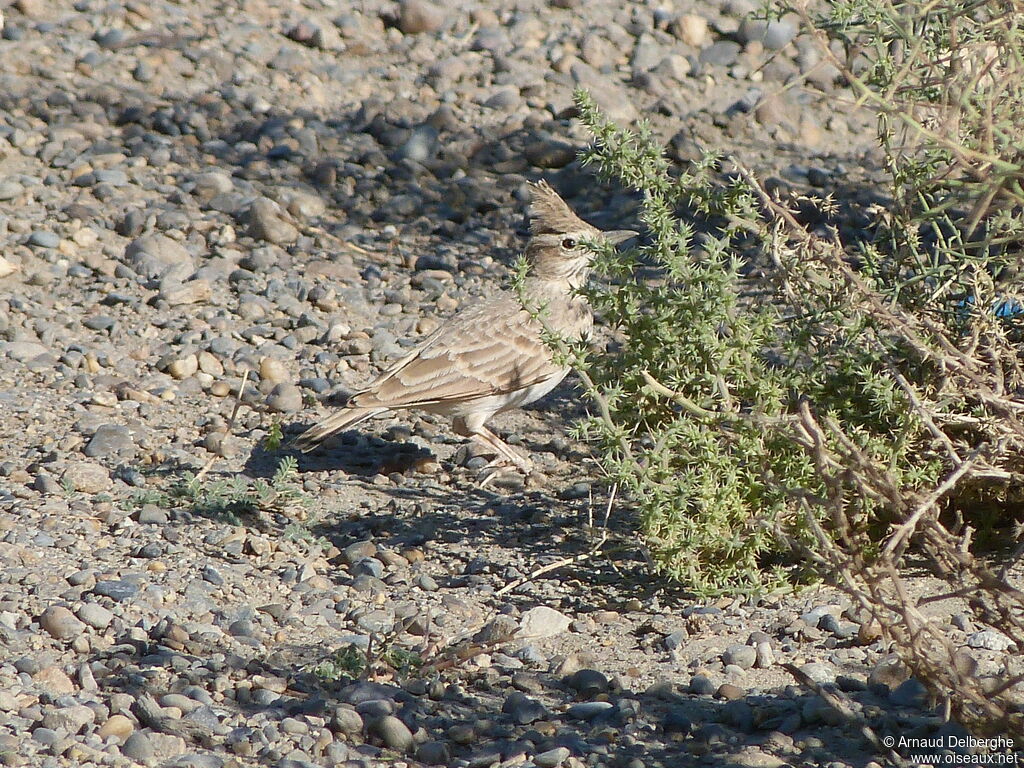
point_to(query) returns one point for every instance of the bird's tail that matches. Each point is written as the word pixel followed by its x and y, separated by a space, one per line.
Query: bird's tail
pixel 347 417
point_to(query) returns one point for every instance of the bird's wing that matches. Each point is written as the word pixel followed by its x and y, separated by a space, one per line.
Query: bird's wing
pixel 491 348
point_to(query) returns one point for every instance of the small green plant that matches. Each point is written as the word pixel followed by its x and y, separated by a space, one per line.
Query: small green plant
pixel 357 662
pixel 235 497
pixel 275 436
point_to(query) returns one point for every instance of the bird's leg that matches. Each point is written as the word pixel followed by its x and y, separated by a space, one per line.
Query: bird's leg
pixel 506 454
pixel 473 428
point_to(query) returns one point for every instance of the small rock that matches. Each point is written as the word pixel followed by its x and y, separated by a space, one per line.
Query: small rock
pixel 158 256
pixel 61 623
pixel 743 656
pixel 138 747
pixel 541 622
pixel 117 726
pixel 691 29
pixel 87 477
pixel 552 758
pixel 989 640
pixel 70 719
pixel 96 616
pixel 417 16
pixel 393 732
pixel 433 753
pixel 285 398
pixel 42 238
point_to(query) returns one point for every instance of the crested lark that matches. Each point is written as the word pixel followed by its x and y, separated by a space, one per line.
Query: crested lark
pixel 490 356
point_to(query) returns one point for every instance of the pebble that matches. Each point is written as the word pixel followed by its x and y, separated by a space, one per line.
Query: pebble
pixel 158 256
pixel 990 640
pixel 44 239
pixel 551 758
pixel 773 35
pixel 418 16
pixel 96 616
pixel 285 398
pixel 393 732
pixel 743 656
pixel 542 621
pixel 61 623
pixel 87 477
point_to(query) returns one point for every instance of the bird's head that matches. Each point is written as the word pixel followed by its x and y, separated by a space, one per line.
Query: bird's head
pixel 556 249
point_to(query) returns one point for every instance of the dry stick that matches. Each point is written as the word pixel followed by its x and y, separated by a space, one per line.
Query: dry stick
pixel 566 560
pixel 908 526
pixel 231 424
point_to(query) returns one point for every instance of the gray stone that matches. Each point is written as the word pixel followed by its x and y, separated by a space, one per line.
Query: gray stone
pixel 138 747
pixel 285 398
pixel 541 622
pixel 61 623
pixel 87 477
pixel 109 441
pixel 773 35
pixel 433 753
pixel 743 656
pixel 393 732
pixel 69 719
pixel 552 758
pixel 42 238
pixel 346 720
pixel 158 256
pixel 96 616
pixel 417 16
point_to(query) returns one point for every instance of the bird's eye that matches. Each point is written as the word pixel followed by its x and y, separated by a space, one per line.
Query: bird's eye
pixel 569 243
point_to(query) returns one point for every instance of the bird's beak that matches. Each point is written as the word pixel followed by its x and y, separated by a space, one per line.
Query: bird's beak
pixel 619 236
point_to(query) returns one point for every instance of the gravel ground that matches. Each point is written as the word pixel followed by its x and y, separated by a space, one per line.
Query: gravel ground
pixel 193 196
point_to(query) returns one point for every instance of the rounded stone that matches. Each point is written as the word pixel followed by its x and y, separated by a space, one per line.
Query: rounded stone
pixel 394 733
pixel 61 623
pixel 116 726
pixel 138 747
pixel 743 656
pixel 87 477
pixel 96 616
pixel 285 398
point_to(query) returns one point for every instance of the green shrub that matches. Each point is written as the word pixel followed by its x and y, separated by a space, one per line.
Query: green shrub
pixel 743 406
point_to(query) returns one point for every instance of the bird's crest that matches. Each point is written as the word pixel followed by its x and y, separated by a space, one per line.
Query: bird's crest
pixel 549 214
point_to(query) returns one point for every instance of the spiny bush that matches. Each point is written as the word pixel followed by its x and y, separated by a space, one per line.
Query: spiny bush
pixel 911 354
pixel 849 397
